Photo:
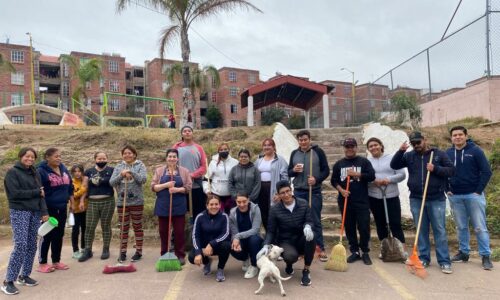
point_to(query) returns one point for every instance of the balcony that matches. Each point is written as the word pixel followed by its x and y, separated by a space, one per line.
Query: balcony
pixel 50 79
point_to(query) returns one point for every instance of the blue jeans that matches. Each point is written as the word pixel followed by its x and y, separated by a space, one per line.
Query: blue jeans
pixel 435 216
pixel 249 249
pixel 317 206
pixel 471 207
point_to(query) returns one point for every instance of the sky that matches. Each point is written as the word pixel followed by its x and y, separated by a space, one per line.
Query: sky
pixel 313 38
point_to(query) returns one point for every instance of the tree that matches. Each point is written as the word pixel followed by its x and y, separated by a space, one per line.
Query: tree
pixel 87 70
pixel 214 117
pixel 5 65
pixel 182 13
pixel 296 122
pixel 402 104
pixel 272 115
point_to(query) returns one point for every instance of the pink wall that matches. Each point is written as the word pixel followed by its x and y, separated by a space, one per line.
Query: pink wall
pixel 481 98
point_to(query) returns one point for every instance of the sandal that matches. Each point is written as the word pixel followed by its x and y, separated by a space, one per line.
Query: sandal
pixel 45 268
pixel 60 266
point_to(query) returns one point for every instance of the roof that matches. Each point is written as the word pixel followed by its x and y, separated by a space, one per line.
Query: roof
pixel 287 89
pixel 49 59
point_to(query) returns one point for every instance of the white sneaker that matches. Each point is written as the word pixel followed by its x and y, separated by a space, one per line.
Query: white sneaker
pixel 245 265
pixel 251 272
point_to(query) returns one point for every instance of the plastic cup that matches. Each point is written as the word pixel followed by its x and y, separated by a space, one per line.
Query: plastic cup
pixel 46 227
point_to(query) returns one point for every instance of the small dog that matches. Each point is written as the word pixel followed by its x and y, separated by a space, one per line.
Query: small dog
pixel 267 266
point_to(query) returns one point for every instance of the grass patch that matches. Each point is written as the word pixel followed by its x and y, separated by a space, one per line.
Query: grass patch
pixel 495 254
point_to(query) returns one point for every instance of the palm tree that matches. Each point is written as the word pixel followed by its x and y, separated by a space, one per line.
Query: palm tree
pixel 86 71
pixel 5 65
pixel 182 13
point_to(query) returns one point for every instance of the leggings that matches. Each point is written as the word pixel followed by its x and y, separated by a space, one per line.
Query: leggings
pixel 75 232
pixel 222 250
pixel 99 209
pixel 53 239
pixel 135 213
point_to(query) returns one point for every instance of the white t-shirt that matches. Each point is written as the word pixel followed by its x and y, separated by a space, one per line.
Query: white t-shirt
pixel 265 170
pixel 290 207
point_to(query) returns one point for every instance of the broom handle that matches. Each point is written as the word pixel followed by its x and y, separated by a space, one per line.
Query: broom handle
pixel 169 217
pixel 345 209
pixel 423 201
pixel 310 174
pixel 123 211
pixel 383 189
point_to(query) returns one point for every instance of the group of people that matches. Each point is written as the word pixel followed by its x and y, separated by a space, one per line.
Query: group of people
pixel 230 199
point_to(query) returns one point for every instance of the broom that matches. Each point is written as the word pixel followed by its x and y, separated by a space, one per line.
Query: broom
pixel 168 261
pixel 413 264
pixel 119 267
pixel 338 257
pixel 391 248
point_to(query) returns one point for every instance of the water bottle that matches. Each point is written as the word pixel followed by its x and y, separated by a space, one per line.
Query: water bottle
pixel 46 227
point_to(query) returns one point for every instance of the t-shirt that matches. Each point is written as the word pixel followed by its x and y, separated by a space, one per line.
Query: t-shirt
pixel 244 222
pixel 265 170
pixel 99 182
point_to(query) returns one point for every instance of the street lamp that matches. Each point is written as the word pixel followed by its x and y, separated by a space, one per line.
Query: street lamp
pixel 353 93
pixel 32 78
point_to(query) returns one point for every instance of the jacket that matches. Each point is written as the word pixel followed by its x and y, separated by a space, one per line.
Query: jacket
pixel 320 167
pixel 219 175
pixel 255 217
pixel 245 179
pixel 57 189
pixel 210 229
pixel 78 192
pixel 382 167
pixel 22 186
pixel 472 169
pixel 162 204
pixel 135 194
pixel 279 171
pixel 417 172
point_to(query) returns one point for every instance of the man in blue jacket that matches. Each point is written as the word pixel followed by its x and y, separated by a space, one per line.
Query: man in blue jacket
pixel 466 195
pixel 417 162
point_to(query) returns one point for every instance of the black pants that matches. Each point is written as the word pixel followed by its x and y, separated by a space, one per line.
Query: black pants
pixel 249 249
pixel 79 224
pixel 357 218
pixel 54 238
pixel 264 201
pixel 199 201
pixel 292 250
pixel 394 211
pixel 221 250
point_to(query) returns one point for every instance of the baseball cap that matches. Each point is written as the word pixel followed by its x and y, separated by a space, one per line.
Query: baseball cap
pixel 416 136
pixel 349 142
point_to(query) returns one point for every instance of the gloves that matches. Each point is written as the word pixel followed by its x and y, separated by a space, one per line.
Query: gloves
pixel 263 251
pixel 308 233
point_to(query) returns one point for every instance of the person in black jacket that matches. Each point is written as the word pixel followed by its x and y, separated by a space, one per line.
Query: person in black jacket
pixel 289 225
pixel 211 236
pixel 417 162
pixel 26 207
pixel 361 172
pixel 298 168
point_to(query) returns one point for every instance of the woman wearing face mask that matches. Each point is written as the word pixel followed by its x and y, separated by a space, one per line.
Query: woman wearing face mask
pixel 218 173
pixel 101 204
pixel 245 178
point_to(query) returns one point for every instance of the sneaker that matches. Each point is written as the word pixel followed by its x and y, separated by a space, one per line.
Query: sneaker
pixel 45 268
pixel 9 288
pixel 207 269
pixel 122 257
pixel 366 259
pixel 76 255
pixel 487 264
pixel 380 255
pixel 460 257
pixel 446 268
pixel 60 266
pixel 353 257
pixel 322 256
pixel 105 253
pixel 137 257
pixel 289 269
pixel 86 255
pixel 425 264
pixel 251 272
pixel 245 265
pixel 220 275
pixel 182 260
pixel 306 278
pixel 26 280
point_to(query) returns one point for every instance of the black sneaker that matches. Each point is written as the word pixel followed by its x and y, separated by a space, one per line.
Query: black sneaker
pixel 122 258
pixel 289 269
pixel 9 288
pixel 366 259
pixel 353 257
pixel 306 277
pixel 105 253
pixel 137 256
pixel 460 257
pixel 425 264
pixel 487 265
pixel 26 280
pixel 86 255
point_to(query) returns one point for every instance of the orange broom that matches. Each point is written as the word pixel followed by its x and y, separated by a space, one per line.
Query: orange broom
pixel 413 264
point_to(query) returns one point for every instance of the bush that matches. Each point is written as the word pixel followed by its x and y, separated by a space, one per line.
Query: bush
pixel 11 155
pixel 495 254
pixel 272 115
pixel 493 192
pixel 296 122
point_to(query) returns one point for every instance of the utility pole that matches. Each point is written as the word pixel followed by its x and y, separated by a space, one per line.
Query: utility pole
pixel 488 63
pixel 353 92
pixel 32 95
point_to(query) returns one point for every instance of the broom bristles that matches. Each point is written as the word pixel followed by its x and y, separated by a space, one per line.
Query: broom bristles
pixel 168 262
pixel 414 265
pixel 119 268
pixel 338 259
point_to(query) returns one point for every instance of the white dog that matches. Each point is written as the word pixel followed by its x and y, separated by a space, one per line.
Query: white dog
pixel 266 264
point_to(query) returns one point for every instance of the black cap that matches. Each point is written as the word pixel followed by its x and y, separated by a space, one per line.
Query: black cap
pixel 281 184
pixel 416 136
pixel 349 142
pixel 186 126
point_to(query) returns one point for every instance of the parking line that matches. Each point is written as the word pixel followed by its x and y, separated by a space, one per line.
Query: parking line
pixel 176 285
pixel 393 282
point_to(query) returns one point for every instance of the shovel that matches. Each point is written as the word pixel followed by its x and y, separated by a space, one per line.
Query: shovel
pixel 392 249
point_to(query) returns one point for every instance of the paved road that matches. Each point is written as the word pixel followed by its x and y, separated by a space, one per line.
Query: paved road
pixel 379 281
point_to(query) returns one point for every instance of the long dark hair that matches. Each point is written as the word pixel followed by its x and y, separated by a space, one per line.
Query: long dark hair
pixel 22 153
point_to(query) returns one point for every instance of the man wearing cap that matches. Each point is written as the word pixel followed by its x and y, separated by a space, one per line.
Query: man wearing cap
pixel 192 157
pixel 299 168
pixel 417 162
pixel 290 226
pixel 360 172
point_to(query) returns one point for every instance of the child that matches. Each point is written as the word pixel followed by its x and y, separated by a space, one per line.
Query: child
pixel 78 208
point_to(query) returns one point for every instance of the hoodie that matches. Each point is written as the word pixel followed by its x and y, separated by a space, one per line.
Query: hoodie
pixel 320 169
pixel 58 188
pixel 382 167
pixel 472 169
pixel 246 179
pixel 218 173
pixel 255 218
pixel 135 195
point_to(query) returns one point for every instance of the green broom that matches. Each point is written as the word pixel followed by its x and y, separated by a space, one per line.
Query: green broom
pixel 168 261
pixel 338 257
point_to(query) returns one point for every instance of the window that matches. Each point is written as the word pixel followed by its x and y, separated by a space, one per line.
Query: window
pixel 372 103
pixel 334 101
pixel 114 86
pixel 17 119
pixel 65 89
pixel 348 116
pixel 384 93
pixel 113 66
pixel 251 78
pixel 84 61
pixel 65 70
pixel 17 78
pixel 167 106
pixel 347 89
pixel 214 83
pixel 16 99
pixel 17 56
pixel 232 76
pixel 214 96
pixel 114 105
pixel 164 86
pixel 334 115
pixel 234 108
pixel 234 123
pixel 233 91
pixel 88 85
pixel 165 68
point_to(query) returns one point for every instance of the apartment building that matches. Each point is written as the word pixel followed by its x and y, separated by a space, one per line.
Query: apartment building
pixel 371 100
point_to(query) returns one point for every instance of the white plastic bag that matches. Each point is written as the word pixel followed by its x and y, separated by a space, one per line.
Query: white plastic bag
pixel 71 219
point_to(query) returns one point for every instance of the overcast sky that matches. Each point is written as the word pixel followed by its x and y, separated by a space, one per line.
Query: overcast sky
pixel 313 38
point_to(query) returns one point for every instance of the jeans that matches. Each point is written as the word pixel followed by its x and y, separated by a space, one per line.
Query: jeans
pixel 249 249
pixel 471 207
pixel 433 215
pixel 317 206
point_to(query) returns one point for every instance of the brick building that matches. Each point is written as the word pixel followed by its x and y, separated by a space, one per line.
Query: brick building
pixel 371 100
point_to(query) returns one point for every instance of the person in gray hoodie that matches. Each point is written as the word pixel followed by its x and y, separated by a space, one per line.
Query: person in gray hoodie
pixel 132 172
pixel 386 179
pixel 245 177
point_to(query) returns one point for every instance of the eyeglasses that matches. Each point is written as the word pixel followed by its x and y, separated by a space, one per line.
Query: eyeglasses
pixel 285 192
pixel 415 143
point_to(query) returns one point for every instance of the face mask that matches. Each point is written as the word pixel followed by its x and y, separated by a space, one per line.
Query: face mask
pixel 224 154
pixel 101 164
